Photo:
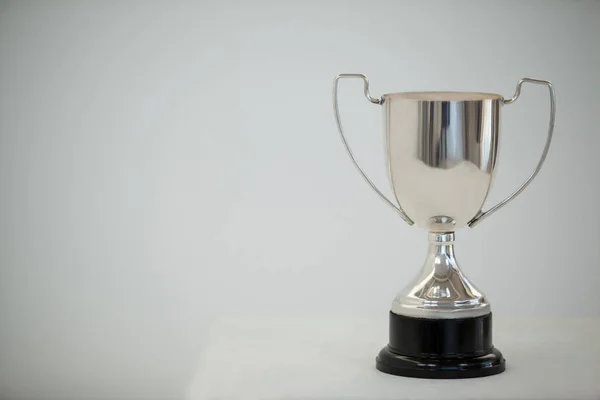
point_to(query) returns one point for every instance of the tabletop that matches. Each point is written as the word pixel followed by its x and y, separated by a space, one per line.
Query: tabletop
pixel 303 357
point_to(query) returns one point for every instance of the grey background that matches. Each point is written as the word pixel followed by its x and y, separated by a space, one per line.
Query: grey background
pixel 163 164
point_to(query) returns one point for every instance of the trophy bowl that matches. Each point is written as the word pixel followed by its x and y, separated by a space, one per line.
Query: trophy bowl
pixel 441 150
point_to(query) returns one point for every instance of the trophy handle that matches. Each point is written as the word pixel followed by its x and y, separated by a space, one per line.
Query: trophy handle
pixel 339 124
pixel 482 215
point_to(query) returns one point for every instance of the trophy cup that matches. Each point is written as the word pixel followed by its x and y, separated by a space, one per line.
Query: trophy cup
pixel 441 152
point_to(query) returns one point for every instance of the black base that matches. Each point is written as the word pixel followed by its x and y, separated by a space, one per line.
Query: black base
pixel 440 348
pixel 453 368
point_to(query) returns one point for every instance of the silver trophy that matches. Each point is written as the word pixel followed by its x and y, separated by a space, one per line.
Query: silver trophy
pixel 441 151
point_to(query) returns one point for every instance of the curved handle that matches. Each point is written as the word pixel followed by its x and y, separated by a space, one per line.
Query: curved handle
pixel 482 215
pixel 339 124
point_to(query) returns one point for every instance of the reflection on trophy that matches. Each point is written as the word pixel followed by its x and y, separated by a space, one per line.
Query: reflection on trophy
pixel 441 151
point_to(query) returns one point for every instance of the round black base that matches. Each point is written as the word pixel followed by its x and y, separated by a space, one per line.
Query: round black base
pixel 415 367
pixel 440 348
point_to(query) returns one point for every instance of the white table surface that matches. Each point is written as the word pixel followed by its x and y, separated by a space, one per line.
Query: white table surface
pixel 334 358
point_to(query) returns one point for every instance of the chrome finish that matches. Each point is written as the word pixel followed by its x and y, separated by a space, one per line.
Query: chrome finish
pixel 442 223
pixel 482 215
pixel 336 111
pixel 372 99
pixel 441 290
pixel 442 151
pixel 441 154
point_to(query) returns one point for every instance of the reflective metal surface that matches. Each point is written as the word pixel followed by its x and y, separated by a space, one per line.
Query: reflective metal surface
pixel 452 131
pixel 441 153
pixel 481 215
pixel 441 290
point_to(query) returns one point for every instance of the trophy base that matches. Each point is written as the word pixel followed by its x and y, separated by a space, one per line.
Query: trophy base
pixel 430 368
pixel 440 348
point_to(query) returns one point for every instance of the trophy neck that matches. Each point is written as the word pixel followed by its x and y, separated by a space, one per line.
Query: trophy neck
pixel 441 290
pixel 441 260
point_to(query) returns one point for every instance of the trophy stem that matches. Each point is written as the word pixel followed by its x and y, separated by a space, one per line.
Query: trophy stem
pixel 441 290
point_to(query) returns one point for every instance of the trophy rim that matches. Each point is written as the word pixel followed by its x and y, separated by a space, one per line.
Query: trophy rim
pixel 453 96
